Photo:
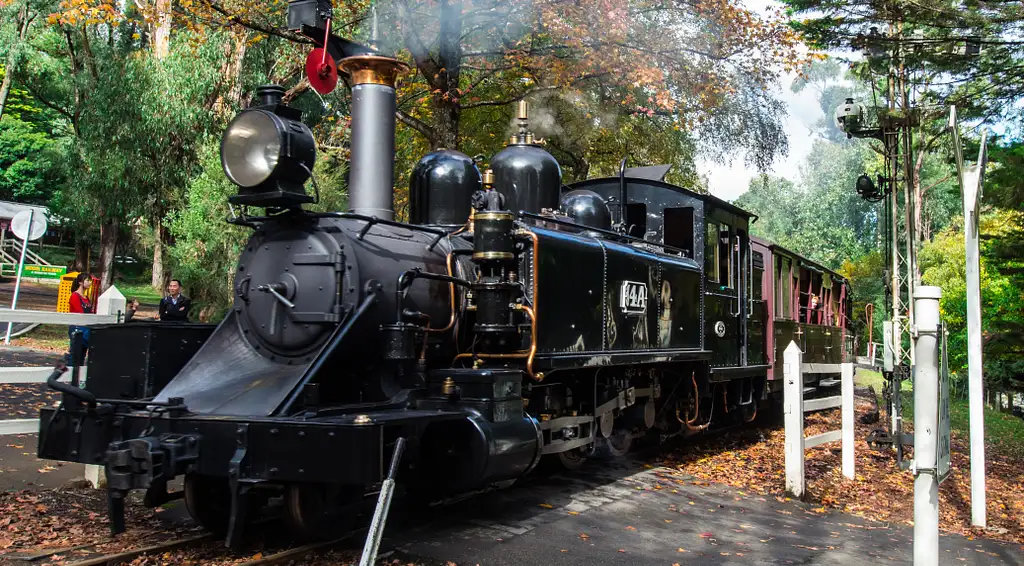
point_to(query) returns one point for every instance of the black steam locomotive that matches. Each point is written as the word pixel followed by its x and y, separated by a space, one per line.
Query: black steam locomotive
pixel 511 319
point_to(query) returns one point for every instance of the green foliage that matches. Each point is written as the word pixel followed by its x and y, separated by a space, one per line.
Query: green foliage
pixel 942 263
pixel 24 161
pixel 822 217
pixel 206 247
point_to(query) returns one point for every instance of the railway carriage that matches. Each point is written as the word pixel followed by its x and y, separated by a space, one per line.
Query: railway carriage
pixel 512 319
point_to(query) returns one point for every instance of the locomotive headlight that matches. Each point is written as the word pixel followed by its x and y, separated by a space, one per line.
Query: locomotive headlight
pixel 251 147
pixel 269 153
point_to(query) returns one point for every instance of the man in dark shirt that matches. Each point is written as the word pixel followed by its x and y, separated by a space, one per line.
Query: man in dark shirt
pixel 175 306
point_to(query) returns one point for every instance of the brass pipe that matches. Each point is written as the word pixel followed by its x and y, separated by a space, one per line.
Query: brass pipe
pixel 451 295
pixel 696 400
pixel 451 286
pixel 689 424
pixel 752 417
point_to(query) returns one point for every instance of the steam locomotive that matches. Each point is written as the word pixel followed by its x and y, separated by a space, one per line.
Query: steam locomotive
pixel 512 319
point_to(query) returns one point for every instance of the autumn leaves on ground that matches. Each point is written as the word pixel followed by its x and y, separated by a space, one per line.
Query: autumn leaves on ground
pixel 754 460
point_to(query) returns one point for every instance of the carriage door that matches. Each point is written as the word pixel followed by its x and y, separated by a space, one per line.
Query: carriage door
pixel 757 315
pixel 722 304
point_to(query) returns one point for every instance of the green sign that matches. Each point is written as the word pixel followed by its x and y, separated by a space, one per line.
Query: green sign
pixel 43 271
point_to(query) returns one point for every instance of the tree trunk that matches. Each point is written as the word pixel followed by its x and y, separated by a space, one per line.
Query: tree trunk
pixel 81 256
pixel 235 68
pixel 447 108
pixel 12 57
pixel 162 33
pixel 108 245
pixel 159 279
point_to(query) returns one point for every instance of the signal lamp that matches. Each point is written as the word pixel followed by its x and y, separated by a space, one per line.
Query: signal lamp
pixel 867 189
pixel 269 153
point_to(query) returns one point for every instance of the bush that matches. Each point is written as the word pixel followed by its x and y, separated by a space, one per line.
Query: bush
pixel 206 247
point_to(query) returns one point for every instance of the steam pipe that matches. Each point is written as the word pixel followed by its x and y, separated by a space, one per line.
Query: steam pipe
pixel 407 277
pixel 76 392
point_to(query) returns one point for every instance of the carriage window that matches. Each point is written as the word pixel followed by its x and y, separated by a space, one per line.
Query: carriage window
pixel 784 284
pixel 725 255
pixel 757 276
pixel 679 229
pixel 711 252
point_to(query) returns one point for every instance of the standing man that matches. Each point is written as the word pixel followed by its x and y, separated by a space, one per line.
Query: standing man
pixel 175 306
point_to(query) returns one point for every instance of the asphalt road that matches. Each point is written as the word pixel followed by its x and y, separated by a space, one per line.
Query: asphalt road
pixel 630 516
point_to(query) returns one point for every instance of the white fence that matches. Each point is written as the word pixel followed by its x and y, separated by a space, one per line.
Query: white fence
pixel 795 407
pixel 111 301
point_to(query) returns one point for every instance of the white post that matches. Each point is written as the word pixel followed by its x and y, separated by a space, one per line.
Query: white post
pixel 970 187
pixel 926 427
pixel 975 378
pixel 110 302
pixel 848 411
pixel 793 400
pixel 17 274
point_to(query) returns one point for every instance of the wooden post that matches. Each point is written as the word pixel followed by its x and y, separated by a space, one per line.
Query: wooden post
pixel 793 401
pixel 848 412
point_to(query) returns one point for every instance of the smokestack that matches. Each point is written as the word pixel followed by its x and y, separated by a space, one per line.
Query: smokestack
pixel 372 165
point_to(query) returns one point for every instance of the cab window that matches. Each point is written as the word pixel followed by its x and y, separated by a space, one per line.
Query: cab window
pixel 725 255
pixel 679 229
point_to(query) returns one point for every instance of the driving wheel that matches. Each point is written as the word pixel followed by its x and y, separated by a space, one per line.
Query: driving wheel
pixel 316 511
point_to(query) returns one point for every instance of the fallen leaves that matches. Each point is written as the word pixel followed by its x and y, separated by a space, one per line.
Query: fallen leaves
pixel 630 528
pixel 751 461
pixel 547 505
pixel 584 536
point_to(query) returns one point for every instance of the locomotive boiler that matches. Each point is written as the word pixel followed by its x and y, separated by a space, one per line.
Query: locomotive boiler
pixel 512 319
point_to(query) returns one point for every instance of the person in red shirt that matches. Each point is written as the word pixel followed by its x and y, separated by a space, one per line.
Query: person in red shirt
pixel 80 303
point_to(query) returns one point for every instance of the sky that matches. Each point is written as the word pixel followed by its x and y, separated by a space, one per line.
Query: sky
pixel 730 180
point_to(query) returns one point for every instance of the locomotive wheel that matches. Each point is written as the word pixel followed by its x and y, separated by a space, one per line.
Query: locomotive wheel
pixel 572 460
pixel 320 511
pixel 208 500
pixel 615 446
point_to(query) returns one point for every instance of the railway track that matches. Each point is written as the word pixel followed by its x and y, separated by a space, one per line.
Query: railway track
pixel 200 549
pixel 209 549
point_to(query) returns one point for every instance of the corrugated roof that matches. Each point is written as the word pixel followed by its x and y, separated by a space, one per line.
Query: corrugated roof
pixel 9 209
